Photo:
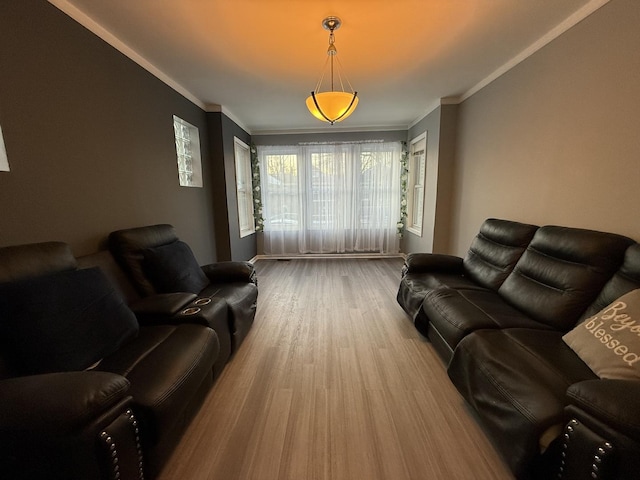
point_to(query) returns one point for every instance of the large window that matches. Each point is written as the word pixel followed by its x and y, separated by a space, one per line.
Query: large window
pixel 188 152
pixel 244 188
pixel 330 198
pixel 415 188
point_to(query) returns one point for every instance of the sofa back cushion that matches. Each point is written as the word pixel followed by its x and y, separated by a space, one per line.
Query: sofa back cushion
pixel 626 279
pixel 173 268
pixel 27 261
pixel 21 262
pixel 495 251
pixel 561 273
pixel 62 322
pixel 116 274
pixel 127 246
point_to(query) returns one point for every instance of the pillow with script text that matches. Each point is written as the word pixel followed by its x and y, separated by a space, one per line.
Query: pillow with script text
pixel 609 342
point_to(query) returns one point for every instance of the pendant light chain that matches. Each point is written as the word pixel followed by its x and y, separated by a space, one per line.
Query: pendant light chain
pixel 332 51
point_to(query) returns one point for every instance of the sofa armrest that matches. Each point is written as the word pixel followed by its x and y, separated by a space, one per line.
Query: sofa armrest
pixel 432 262
pixel 179 308
pixel 158 308
pixel 615 403
pixel 58 402
pixel 226 272
pixel 71 425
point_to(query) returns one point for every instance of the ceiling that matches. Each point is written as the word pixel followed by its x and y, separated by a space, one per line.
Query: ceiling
pixel 258 60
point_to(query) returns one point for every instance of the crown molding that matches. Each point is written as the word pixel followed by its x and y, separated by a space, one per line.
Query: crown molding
pixel 568 23
pixel 427 111
pixel 90 24
pixel 551 35
pixel 450 100
pixel 215 108
pixel 433 106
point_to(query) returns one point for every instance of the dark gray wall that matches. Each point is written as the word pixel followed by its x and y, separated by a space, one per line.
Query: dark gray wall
pixel 221 132
pixel 89 137
pixel 441 126
pixel 446 173
pixel 241 248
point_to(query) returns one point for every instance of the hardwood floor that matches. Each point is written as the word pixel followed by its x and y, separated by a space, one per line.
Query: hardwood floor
pixel 333 382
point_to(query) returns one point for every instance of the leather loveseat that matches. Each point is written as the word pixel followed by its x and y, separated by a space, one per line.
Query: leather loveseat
pixel 88 388
pixel 498 317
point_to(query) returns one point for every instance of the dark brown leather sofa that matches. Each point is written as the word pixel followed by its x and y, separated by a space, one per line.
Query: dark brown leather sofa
pixel 88 388
pixel 497 318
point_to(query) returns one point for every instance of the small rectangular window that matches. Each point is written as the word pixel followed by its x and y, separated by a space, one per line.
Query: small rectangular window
pixel 188 152
pixel 4 161
pixel 415 188
pixel 244 187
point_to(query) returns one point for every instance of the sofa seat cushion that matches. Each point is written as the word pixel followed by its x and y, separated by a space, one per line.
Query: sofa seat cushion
pixel 242 300
pixel 516 380
pixel 457 313
pixel 166 366
pixel 210 312
pixel 414 287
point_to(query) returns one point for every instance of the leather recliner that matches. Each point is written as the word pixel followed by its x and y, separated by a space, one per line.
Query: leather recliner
pixel 146 254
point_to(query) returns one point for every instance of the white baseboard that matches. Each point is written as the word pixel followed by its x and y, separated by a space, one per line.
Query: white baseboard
pixel 366 256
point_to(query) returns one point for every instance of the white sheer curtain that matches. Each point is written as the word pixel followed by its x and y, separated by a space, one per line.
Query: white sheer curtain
pixel 330 198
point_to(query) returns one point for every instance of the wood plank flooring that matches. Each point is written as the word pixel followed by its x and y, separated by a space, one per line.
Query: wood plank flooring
pixel 333 382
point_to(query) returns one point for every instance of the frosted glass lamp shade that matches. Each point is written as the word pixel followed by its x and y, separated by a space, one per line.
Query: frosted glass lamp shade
pixel 332 106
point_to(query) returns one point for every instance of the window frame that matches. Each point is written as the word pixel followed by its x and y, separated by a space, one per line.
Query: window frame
pixel 417 177
pixel 244 188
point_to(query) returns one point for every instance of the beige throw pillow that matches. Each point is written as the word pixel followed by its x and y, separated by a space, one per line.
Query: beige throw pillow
pixel 609 342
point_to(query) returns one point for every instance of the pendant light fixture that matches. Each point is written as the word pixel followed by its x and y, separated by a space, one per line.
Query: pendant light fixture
pixel 333 105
